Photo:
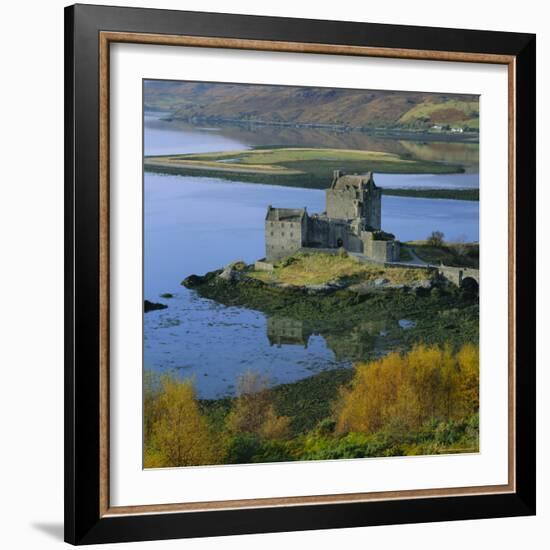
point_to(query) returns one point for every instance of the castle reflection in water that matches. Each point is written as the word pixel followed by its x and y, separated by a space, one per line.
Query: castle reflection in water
pixel 355 344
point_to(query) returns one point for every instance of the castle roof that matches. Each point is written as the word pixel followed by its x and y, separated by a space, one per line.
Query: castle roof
pixel 352 180
pixel 285 214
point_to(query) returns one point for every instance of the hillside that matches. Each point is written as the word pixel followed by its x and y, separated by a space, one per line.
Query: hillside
pixel 307 106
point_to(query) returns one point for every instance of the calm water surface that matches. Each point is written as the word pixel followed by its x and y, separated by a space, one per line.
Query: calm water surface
pixel 195 225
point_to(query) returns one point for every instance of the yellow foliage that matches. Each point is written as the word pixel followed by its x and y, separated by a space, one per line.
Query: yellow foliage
pixel 274 427
pixel 253 411
pixel 468 359
pixel 403 391
pixel 318 268
pixel 178 434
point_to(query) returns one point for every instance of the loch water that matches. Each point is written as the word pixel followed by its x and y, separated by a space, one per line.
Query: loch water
pixel 197 224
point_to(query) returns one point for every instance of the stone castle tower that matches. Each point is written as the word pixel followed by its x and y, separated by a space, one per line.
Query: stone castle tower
pixel 353 197
pixel 352 220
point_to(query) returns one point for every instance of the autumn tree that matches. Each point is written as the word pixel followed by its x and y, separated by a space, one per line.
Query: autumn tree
pixel 404 391
pixel 468 361
pixel 178 434
pixel 151 391
pixel 254 411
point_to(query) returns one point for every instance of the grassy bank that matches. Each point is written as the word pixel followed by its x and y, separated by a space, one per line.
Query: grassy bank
pixel 452 194
pixel 295 167
pixel 454 254
pixel 316 269
pixel 307 402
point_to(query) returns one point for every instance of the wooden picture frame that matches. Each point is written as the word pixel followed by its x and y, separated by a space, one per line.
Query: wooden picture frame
pixel 89 32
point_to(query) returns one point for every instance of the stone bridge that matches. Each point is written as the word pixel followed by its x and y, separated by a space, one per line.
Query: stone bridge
pixel 458 275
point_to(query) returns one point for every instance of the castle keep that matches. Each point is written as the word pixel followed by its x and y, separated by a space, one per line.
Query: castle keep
pixel 352 221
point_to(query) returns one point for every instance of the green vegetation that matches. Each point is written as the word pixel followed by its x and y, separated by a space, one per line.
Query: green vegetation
pixel 405 254
pixel 297 106
pixel 307 167
pixel 458 254
pixel 422 402
pixel 295 167
pixel 357 319
pixel 285 156
pixel 450 113
pixel 452 194
pixel 306 402
pixel 316 269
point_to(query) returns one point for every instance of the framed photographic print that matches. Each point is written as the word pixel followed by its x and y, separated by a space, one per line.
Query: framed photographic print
pixel 299 274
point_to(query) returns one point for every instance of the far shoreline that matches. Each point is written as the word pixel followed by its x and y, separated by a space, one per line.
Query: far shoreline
pixel 394 133
pixel 459 194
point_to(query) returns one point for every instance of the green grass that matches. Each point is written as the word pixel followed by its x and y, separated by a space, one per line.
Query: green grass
pixel 315 269
pixel 454 112
pixel 299 167
pixel 307 106
pixel 268 158
pixel 405 254
pixel 452 254
pixel 452 194
pixel 307 401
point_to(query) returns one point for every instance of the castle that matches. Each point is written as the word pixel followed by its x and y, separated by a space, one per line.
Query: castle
pixel 352 221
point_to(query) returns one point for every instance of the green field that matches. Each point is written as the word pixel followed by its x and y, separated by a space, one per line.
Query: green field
pixel 452 112
pixel 295 167
pixel 455 254
pixel 453 194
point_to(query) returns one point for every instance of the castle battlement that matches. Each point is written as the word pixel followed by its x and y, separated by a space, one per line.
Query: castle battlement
pixel 352 220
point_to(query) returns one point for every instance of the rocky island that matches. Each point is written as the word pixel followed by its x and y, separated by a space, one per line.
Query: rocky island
pixel 335 271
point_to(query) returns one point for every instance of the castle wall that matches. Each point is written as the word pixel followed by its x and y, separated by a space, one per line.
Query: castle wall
pixel 372 209
pixel 385 251
pixel 379 251
pixel 318 232
pixel 353 212
pixel 281 330
pixel 342 203
pixel 347 204
pixel 342 235
pixel 263 265
pixel 323 233
pixel 283 238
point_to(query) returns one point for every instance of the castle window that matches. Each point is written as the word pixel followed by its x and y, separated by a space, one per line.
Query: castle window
pixel 283 234
pixel 272 233
pixel 291 235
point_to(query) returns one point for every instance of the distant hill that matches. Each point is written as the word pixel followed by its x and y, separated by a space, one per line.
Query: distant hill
pixel 308 106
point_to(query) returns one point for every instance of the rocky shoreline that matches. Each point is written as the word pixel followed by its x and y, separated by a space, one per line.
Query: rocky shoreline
pixel 152 306
pixel 236 272
pixel 348 311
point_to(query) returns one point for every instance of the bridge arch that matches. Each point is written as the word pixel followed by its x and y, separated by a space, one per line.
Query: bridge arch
pixel 457 275
pixel 469 284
